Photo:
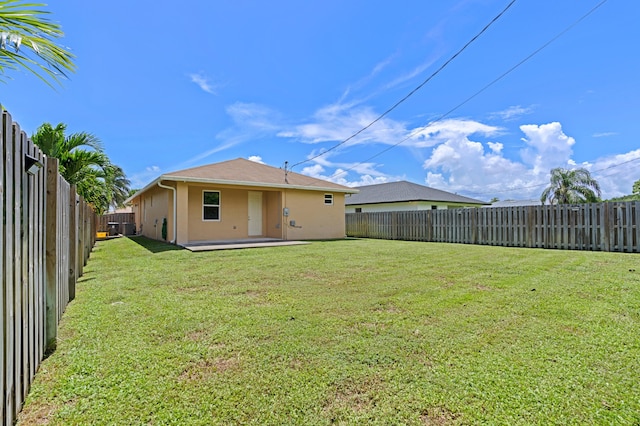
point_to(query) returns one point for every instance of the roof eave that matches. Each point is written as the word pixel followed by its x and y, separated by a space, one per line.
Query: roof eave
pixel 239 183
pixel 413 201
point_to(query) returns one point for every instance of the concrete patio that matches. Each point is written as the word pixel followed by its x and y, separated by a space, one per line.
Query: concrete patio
pixel 240 244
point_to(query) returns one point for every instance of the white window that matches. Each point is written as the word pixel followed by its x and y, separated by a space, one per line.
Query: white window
pixel 210 205
pixel 328 199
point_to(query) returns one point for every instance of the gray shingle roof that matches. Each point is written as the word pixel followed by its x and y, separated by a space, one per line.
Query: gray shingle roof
pixel 516 203
pixel 403 191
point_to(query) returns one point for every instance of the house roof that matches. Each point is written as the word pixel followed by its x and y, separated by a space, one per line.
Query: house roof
pixel 516 203
pixel 403 191
pixel 247 173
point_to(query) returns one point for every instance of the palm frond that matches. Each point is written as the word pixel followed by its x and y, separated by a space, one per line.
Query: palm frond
pixel 28 39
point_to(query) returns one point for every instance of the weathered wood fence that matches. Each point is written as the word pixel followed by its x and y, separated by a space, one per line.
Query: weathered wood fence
pixel 595 226
pixel 47 234
pixel 122 223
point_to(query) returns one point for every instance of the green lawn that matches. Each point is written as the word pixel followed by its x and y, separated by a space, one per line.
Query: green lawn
pixel 346 332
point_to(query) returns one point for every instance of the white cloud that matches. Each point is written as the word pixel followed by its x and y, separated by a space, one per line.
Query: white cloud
pixel 442 131
pixel 460 164
pixel 140 179
pixel 616 173
pixel 547 147
pixel 251 122
pixel 203 82
pixel 250 117
pixel 512 113
pixel 256 159
pixel 496 147
pixel 340 176
pixel 604 134
pixel 337 122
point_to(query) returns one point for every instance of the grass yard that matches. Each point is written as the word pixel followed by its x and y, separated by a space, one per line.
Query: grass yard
pixel 346 332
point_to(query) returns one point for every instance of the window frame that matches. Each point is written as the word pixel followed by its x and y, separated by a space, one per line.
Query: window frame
pixel 330 199
pixel 204 219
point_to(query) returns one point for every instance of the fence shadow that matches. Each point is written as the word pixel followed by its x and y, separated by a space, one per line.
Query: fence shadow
pixel 154 246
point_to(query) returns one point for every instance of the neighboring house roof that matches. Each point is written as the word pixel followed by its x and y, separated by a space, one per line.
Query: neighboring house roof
pixel 247 173
pixel 404 191
pixel 516 203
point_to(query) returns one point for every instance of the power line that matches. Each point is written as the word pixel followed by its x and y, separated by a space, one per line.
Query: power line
pixel 445 115
pixel 436 72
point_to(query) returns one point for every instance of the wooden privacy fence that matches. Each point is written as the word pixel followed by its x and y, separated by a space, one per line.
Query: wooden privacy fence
pixel 47 234
pixel 595 226
pixel 120 223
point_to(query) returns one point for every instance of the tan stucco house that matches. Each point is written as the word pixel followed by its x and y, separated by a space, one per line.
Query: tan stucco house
pixel 239 199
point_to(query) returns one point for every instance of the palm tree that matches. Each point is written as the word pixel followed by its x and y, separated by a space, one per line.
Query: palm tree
pixel 28 40
pixel 117 185
pixel 98 181
pixel 69 150
pixel 571 186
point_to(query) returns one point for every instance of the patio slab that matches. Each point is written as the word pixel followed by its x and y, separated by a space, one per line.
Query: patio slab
pixel 240 244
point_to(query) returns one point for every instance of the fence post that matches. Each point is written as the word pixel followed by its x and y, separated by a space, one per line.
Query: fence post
pixel 51 209
pixel 18 167
pixel 81 237
pixel 7 272
pixel 73 215
pixel 2 319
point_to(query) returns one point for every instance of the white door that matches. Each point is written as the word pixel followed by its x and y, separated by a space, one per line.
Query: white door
pixel 255 213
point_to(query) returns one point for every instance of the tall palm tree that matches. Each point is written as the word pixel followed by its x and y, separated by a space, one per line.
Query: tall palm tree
pixel 98 181
pixel 70 150
pixel 571 186
pixel 117 185
pixel 28 40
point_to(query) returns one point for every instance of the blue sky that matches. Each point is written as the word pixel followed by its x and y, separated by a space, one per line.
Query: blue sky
pixel 170 85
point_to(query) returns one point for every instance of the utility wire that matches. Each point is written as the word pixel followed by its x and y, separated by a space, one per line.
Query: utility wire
pixel 445 115
pixel 436 72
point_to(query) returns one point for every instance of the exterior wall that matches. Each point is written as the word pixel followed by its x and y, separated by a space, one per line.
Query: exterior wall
pixel 406 206
pixel 234 214
pixel 313 219
pixel 273 214
pixel 153 208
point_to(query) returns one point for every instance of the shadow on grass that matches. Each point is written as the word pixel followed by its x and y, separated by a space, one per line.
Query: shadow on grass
pixel 154 246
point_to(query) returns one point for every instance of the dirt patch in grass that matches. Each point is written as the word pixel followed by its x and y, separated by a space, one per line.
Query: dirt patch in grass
pixel 40 414
pixel 352 395
pixel 388 308
pixel 205 369
pixel 482 287
pixel 439 416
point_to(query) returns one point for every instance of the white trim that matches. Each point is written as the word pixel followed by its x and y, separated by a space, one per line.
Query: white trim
pixel 326 199
pixel 212 205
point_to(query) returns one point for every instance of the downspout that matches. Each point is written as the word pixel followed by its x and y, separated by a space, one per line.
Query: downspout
pixel 175 208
